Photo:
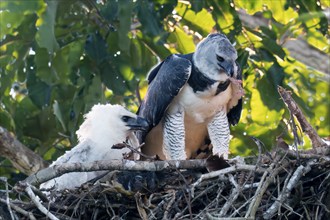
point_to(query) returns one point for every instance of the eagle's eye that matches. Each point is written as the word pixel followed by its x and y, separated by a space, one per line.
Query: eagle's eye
pixel 220 58
pixel 125 118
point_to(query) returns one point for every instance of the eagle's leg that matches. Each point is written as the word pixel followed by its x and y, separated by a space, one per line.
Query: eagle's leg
pixel 174 136
pixel 219 134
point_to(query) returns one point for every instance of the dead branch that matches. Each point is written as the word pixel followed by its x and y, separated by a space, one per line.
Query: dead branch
pixel 58 170
pixel 19 210
pixel 37 202
pixel 232 198
pixel 236 168
pixel 4 180
pixel 24 159
pixel 296 111
pixel 273 170
pixel 300 171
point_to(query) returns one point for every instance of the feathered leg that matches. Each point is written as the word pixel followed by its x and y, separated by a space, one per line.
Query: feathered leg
pixel 174 137
pixel 219 134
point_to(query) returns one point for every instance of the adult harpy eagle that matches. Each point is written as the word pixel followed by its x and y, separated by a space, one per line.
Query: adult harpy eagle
pixel 104 126
pixel 192 98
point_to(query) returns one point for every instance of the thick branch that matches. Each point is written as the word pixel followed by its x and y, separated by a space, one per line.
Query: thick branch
pixel 58 170
pixel 21 157
pixel 296 111
pixel 298 48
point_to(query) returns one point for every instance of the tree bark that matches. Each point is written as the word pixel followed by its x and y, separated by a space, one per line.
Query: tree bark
pixel 24 159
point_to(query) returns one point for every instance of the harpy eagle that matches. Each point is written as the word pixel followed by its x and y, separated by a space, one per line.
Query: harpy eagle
pixel 192 98
pixel 103 127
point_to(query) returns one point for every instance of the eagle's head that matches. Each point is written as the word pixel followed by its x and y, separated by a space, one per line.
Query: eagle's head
pixel 110 124
pixel 215 57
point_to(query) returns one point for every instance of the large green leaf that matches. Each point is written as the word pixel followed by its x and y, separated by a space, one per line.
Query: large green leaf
pixel 39 91
pixel 125 12
pixel 185 43
pixel 148 18
pixel 96 48
pixel 46 36
pixel 201 21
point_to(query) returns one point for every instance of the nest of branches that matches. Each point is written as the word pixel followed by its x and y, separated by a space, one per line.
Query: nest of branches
pixel 279 185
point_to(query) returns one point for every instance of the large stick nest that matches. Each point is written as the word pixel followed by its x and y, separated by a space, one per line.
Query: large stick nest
pixel 273 186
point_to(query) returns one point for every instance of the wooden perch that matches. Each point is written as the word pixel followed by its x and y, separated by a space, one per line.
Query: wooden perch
pixel 24 159
pixel 58 170
pixel 296 111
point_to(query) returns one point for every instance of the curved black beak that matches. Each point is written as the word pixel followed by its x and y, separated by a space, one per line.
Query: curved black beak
pixel 138 123
pixel 228 68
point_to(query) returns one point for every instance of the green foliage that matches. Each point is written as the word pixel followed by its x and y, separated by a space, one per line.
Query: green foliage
pixel 58 58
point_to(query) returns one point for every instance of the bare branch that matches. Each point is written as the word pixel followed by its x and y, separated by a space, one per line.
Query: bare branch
pixel 264 183
pixel 300 171
pixel 4 179
pixel 20 210
pixel 238 167
pixel 37 202
pixel 24 159
pixel 58 170
pixel 295 110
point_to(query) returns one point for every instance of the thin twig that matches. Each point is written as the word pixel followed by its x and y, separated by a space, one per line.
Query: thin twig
pixel 20 210
pixel 265 181
pixel 296 111
pixel 238 167
pixel 232 198
pixel 4 180
pixel 300 171
pixel 37 202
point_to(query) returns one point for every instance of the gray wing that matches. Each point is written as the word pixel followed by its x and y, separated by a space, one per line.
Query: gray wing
pixel 234 114
pixel 165 82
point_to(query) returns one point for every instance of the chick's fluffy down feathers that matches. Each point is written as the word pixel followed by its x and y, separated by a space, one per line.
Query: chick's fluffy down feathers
pixel 103 127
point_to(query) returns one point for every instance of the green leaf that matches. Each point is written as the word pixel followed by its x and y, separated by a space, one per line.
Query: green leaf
pixel 197 5
pixel 273 47
pixel 43 71
pixel 185 43
pixel 125 10
pixel 58 114
pixel 6 120
pixel 39 92
pixel 113 79
pixel 9 22
pixel 22 7
pixel 266 107
pixel 96 48
pixel 201 21
pixel 148 18
pixel 46 25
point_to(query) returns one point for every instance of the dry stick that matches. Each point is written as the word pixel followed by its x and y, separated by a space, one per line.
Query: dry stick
pixel 210 217
pixel 264 183
pixel 58 170
pixel 300 171
pixel 232 198
pixel 37 202
pixel 306 127
pixel 4 180
pixel 169 205
pixel 306 154
pixel 19 210
pixel 238 167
